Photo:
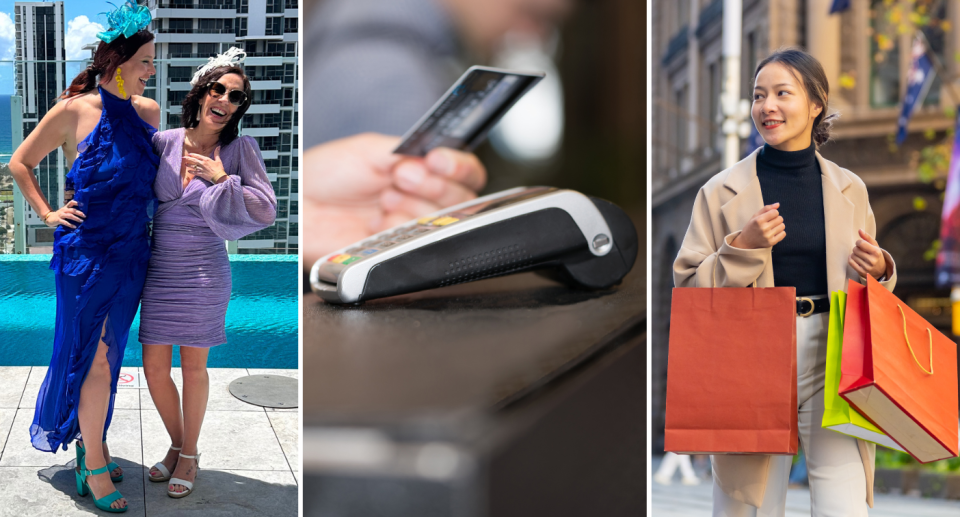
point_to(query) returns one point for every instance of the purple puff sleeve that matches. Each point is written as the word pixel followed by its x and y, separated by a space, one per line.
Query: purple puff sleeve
pixel 159 142
pixel 245 202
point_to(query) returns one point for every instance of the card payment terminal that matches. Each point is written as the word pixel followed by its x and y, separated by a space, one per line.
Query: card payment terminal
pixel 584 241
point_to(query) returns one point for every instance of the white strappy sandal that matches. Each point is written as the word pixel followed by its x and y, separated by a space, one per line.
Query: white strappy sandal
pixel 184 482
pixel 163 469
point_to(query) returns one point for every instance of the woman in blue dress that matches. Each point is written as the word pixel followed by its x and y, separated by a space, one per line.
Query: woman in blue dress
pixel 101 243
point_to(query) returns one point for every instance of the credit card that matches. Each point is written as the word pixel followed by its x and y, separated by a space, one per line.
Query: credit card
pixel 471 107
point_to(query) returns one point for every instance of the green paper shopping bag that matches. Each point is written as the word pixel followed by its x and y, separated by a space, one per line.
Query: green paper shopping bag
pixel 837 414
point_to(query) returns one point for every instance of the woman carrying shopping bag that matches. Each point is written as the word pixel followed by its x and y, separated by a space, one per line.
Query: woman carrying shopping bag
pixel 785 216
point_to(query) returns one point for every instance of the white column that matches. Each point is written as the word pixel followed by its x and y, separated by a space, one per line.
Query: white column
pixel 732 28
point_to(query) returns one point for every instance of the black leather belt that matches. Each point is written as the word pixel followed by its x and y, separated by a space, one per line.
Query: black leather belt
pixel 809 305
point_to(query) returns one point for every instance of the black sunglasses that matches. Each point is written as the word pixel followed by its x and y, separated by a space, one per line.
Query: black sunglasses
pixel 236 97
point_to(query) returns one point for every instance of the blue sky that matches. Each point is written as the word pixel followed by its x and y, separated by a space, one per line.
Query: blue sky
pixel 81 15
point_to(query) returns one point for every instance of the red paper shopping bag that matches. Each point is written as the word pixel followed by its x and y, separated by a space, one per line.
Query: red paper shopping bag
pixel 899 372
pixel 732 371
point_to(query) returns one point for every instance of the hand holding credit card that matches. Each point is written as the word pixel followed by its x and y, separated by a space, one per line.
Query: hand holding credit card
pixel 471 107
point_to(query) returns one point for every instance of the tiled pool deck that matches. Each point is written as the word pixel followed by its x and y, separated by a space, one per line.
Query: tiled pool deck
pixel 250 463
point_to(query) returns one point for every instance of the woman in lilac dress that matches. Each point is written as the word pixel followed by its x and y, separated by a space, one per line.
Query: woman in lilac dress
pixel 212 186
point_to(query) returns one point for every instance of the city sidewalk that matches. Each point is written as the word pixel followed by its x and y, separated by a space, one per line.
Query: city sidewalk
pixel 678 500
pixel 250 463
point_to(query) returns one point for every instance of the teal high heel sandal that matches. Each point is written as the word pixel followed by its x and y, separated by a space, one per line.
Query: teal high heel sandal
pixel 81 452
pixel 83 489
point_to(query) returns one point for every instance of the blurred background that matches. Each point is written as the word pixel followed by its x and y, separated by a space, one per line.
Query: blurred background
pixel 587 120
pixel 867 48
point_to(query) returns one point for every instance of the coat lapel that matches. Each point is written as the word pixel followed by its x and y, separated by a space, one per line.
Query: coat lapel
pixel 748 199
pixel 838 210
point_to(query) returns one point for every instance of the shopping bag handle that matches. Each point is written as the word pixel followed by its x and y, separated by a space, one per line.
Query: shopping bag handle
pixel 929 336
pixel 715 271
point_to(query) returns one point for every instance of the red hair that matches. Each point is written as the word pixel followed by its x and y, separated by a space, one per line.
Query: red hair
pixel 106 59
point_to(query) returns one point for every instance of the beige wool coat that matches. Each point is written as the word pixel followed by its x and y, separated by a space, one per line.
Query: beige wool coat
pixel 722 208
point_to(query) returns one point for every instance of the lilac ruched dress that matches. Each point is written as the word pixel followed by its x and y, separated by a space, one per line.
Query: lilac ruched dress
pixel 188 285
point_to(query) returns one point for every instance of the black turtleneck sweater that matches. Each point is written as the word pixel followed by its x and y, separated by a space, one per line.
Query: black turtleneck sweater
pixel 792 178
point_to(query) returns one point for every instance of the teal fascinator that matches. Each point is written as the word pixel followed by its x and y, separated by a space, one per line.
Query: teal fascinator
pixel 126 20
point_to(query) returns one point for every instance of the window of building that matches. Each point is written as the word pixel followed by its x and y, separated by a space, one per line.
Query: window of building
pixel 176 97
pixel 884 67
pixel 937 38
pixel 274 26
pixel 291 4
pixel 180 25
pixel 274 6
pixel 207 49
pixel 180 74
pixel 173 120
pixel 268 143
pixel 243 6
pixel 713 105
pixel 180 49
pixel 266 97
pixel 290 25
pixel 680 98
pixel 241 27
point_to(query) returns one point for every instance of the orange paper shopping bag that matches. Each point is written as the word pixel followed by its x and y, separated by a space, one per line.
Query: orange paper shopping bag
pixel 732 371
pixel 899 372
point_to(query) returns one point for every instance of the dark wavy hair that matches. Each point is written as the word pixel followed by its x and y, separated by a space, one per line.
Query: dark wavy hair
pixel 191 104
pixel 810 72
pixel 105 62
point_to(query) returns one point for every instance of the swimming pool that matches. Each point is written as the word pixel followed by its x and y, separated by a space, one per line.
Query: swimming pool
pixel 261 318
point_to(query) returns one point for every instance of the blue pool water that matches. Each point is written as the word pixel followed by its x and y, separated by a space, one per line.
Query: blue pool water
pixel 261 319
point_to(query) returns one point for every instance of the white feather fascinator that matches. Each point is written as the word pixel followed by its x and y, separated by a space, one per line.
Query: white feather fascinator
pixel 234 56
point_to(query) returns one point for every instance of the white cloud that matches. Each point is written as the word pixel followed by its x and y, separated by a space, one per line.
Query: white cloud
pixel 80 32
pixel 7 32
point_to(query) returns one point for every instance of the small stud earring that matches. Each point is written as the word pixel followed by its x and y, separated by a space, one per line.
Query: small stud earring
pixel 123 93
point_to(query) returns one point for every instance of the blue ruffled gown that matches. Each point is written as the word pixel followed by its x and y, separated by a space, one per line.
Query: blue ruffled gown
pixel 100 266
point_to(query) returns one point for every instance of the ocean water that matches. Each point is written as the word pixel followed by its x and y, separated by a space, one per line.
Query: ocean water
pixel 261 318
pixel 6 133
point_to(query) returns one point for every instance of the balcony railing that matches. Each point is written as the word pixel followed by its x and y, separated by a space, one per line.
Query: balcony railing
pixel 201 5
pixel 272 54
pixel 194 31
pixel 194 55
pixel 260 126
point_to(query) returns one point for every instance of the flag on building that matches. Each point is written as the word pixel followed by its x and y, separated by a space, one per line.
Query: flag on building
pixel 839 6
pixel 919 78
pixel 948 257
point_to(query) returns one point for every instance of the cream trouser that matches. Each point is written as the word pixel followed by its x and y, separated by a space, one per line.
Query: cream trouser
pixel 835 470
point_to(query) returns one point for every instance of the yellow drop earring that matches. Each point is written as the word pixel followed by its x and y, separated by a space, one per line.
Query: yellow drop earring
pixel 123 93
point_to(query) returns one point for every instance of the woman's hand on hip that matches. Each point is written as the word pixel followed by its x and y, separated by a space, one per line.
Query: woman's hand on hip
pixel 867 258
pixel 64 215
pixel 210 169
pixel 763 230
